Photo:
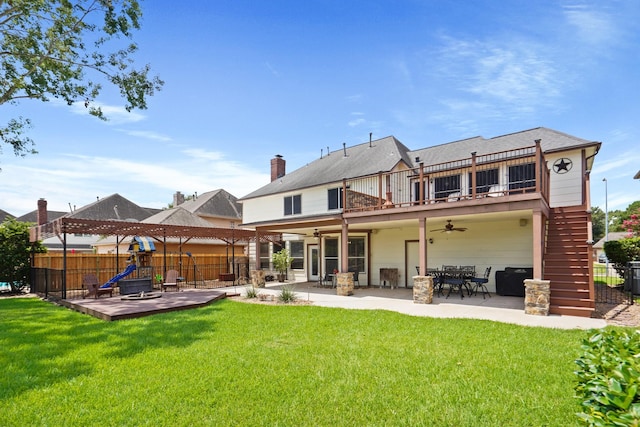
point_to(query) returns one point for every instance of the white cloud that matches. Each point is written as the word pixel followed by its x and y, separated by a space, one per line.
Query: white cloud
pixel 592 26
pixel 115 114
pixel 146 134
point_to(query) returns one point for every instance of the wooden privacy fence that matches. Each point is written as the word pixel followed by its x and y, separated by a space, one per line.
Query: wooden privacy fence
pixel 195 269
pixel 98 262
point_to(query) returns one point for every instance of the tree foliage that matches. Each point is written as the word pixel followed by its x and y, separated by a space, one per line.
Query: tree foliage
pixel 15 253
pixel 65 49
pixel 597 223
pixel 620 252
pixel 632 225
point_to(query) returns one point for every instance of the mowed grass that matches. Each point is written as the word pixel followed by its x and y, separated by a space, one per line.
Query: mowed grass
pixel 233 363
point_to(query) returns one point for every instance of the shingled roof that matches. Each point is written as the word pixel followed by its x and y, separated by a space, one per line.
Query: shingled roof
pixel 384 154
pixel 113 207
pixel 216 203
pixel 550 141
pixel 363 159
pixel 5 214
pixel 33 216
pixel 177 216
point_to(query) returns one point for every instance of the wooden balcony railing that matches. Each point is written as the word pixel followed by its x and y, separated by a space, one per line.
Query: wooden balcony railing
pixel 493 175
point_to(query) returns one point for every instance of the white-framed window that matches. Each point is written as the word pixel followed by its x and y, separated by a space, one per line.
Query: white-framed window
pixel 293 205
pixel 485 179
pixel 334 198
pixel 446 185
pixel 522 176
pixel 296 250
pixel 331 255
pixel 357 254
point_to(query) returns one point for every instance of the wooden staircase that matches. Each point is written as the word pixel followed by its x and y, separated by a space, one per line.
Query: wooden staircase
pixel 566 262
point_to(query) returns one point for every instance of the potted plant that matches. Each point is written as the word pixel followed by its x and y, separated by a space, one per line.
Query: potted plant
pixel 281 262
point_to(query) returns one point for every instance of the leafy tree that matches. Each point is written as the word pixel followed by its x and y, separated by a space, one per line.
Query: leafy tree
pixel 597 223
pixel 632 225
pixel 64 49
pixel 15 253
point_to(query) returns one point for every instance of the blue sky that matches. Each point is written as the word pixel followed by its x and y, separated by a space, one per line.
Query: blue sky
pixel 246 80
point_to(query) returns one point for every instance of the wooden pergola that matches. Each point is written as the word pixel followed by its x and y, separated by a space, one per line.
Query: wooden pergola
pixel 60 227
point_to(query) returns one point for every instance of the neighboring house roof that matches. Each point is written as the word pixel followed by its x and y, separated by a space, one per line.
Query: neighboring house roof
pixel 111 207
pixel 177 216
pixel 637 175
pixel 363 159
pixel 4 215
pixel 615 235
pixel 384 154
pixel 217 203
pixel 33 216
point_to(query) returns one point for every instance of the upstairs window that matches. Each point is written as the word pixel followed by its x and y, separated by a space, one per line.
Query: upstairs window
pixel 484 180
pixel 334 197
pixel 522 176
pixel 293 205
pixel 416 191
pixel 446 185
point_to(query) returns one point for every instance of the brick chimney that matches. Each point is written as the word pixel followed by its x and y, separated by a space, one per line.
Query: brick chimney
pixel 277 167
pixel 41 215
pixel 178 199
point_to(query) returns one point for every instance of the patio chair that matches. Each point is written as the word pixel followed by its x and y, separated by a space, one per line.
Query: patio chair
pixel 170 280
pixel 355 276
pixel 90 281
pixel 481 282
pixel 456 282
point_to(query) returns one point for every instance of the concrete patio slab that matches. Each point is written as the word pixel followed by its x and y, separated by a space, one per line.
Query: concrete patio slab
pixel 497 308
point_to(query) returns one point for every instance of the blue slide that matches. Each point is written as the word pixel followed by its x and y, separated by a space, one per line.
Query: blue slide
pixel 127 271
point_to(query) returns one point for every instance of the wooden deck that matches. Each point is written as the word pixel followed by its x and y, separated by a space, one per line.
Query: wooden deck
pixel 117 308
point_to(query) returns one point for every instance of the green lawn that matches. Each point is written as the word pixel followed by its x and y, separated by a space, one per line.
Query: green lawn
pixel 233 363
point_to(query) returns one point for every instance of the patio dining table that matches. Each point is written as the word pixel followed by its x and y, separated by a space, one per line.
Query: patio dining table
pixel 457 280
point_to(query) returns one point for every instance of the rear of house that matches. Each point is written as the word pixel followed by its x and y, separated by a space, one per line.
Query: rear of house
pixel 518 203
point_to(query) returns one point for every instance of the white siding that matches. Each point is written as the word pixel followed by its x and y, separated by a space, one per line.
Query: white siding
pixel 487 244
pixel 566 188
pixel 268 208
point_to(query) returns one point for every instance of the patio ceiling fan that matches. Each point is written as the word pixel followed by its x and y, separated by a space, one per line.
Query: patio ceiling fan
pixel 448 228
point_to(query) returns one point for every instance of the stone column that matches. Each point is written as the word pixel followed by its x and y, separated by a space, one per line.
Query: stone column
pixel 257 278
pixel 344 284
pixel 422 289
pixel 537 297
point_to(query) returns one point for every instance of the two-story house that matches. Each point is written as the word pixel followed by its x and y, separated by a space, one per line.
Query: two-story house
pixel 518 200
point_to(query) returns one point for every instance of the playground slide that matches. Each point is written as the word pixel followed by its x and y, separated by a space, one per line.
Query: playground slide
pixel 127 271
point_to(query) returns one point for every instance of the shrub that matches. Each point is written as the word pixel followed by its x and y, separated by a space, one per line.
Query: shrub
pixel 287 294
pixel 620 252
pixel 252 292
pixel 609 379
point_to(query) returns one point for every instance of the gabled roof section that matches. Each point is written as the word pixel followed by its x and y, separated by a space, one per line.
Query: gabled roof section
pixel 113 207
pixel 550 141
pixel 363 159
pixel 217 203
pixel 5 214
pixel 613 236
pixel 177 216
pixel 33 216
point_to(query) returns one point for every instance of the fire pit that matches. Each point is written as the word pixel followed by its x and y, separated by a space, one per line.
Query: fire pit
pixel 142 296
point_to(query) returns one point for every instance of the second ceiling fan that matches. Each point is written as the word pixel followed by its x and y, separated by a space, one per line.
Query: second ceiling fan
pixel 448 228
